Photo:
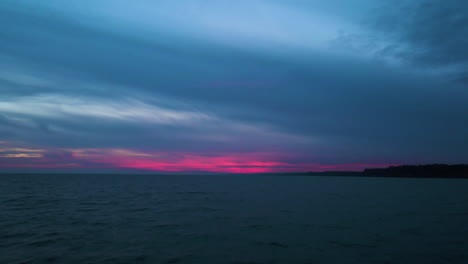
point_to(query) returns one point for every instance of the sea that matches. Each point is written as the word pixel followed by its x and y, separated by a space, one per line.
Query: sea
pixel 71 218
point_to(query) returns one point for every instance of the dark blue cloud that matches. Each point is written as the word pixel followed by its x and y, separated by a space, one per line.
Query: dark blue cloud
pixel 143 78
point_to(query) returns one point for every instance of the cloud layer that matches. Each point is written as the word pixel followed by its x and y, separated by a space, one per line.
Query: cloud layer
pixel 216 83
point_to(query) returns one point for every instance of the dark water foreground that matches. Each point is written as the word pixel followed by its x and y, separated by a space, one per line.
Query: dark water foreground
pixel 231 219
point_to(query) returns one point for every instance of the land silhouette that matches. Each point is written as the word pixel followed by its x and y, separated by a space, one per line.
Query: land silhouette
pixel 404 171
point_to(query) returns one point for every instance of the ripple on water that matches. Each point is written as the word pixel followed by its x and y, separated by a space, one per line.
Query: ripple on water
pixel 44 242
pixel 273 244
pixel 136 210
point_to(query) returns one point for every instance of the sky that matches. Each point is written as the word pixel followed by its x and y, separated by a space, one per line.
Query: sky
pixel 246 86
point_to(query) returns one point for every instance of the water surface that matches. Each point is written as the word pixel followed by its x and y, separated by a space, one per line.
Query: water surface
pixel 231 219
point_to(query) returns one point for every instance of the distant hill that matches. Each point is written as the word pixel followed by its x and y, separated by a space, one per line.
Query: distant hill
pixel 404 171
pixel 421 171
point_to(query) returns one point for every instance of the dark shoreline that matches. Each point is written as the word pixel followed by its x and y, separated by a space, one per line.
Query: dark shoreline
pixel 443 171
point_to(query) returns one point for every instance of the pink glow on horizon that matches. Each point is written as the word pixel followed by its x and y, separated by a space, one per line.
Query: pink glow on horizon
pixel 233 163
pixel 92 158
